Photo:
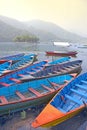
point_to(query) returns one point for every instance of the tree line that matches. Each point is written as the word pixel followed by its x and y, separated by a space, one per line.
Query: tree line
pixel 26 38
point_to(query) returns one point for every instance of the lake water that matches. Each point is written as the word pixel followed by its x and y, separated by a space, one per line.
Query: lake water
pixel 9 48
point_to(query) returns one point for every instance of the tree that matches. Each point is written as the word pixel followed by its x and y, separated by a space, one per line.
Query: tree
pixel 26 38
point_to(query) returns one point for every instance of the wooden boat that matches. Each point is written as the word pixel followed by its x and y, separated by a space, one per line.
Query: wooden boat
pixel 14 58
pixel 14 76
pixel 4 65
pixel 65 104
pixel 60 60
pixel 58 69
pixel 26 60
pixel 56 53
pixel 29 94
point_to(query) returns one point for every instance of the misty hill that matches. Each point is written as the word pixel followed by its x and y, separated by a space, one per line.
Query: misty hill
pixel 22 27
pixel 45 31
pixel 59 32
pixel 8 32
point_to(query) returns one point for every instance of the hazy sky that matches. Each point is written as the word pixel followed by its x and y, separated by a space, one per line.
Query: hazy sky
pixel 69 14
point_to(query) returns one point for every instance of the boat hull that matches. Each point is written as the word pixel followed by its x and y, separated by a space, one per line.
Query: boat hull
pixel 53 53
pixel 62 119
pixel 15 107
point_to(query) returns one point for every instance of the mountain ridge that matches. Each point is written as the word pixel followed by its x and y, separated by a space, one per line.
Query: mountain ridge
pixel 45 31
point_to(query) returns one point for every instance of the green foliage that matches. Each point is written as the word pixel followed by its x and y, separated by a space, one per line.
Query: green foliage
pixel 26 38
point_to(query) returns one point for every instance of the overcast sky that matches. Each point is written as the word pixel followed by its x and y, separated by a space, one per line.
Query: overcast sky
pixel 69 14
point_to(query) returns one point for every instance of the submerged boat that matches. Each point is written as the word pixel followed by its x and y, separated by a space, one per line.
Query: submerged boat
pixel 58 53
pixel 53 70
pixel 14 76
pixel 30 94
pixel 65 104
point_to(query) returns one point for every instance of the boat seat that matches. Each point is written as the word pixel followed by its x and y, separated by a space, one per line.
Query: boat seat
pixel 49 89
pixel 49 73
pixel 35 92
pixel 15 80
pixel 21 75
pixel 3 100
pixel 73 99
pixel 29 72
pixel 57 72
pixel 39 67
pixel 62 110
pixel 20 95
pixel 79 93
pixel 34 69
pixel 4 84
pixel 81 86
pixel 83 81
pixel 53 83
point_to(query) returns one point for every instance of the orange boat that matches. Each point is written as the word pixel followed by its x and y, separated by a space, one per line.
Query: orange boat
pixel 65 104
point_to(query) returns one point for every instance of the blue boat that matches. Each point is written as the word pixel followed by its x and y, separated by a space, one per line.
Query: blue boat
pixel 14 58
pixel 14 76
pixel 4 66
pixel 25 61
pixel 67 103
pixel 60 60
pixel 30 94
pixel 57 69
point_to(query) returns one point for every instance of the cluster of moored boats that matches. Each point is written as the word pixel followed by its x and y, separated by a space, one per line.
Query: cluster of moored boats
pixel 26 82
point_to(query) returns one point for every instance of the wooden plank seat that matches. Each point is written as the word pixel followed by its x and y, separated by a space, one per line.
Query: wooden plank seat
pixel 53 83
pixel 68 68
pixel 83 81
pixel 15 80
pixel 73 99
pixel 46 87
pixel 72 66
pixel 3 100
pixel 82 86
pixel 49 73
pixel 20 95
pixel 4 84
pixel 61 109
pixel 21 75
pixel 39 67
pixel 30 72
pixel 35 92
pixel 79 93
pixel 57 72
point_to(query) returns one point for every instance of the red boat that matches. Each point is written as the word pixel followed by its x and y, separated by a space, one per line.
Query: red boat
pixel 58 53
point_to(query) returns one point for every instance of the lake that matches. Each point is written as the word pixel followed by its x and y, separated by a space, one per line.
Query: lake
pixel 8 48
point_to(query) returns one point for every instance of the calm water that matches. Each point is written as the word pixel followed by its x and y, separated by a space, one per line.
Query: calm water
pixel 39 49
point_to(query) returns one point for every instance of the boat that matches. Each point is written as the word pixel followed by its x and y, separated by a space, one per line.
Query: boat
pixel 60 53
pixel 70 100
pixel 4 65
pixel 14 76
pixel 30 94
pixel 25 60
pixel 59 60
pixel 14 58
pixel 58 69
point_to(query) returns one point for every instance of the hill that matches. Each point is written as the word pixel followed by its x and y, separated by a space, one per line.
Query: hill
pixel 45 31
